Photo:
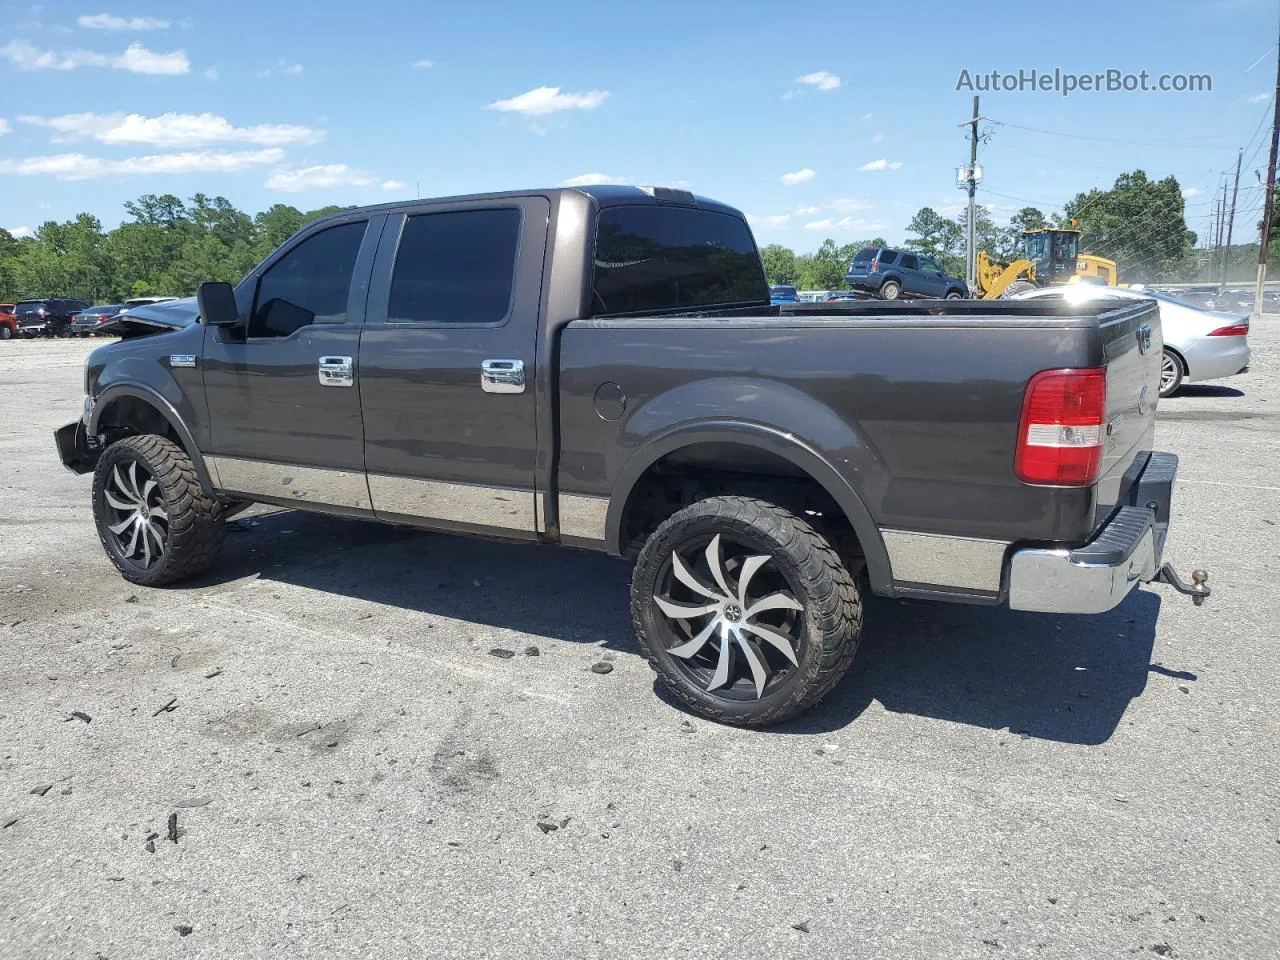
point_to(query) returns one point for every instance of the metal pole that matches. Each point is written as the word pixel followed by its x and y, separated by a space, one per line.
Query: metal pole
pixel 971 241
pixel 1271 198
pixel 1222 234
pixel 1216 236
pixel 1231 218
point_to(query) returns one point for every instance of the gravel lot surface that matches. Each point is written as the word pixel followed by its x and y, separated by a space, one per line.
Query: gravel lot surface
pixel 355 773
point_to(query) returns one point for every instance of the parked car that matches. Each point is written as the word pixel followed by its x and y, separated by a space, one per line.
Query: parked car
pixel 893 274
pixel 86 322
pixel 144 301
pixel 603 369
pixel 46 316
pixel 783 293
pixel 1199 344
pixel 8 322
pixel 171 313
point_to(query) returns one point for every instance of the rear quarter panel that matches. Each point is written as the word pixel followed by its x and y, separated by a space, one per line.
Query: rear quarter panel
pixel 919 415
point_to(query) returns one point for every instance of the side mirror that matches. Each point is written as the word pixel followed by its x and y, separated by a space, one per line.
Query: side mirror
pixel 217 302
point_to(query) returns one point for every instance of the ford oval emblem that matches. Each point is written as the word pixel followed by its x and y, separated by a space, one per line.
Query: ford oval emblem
pixel 1142 401
pixel 1144 338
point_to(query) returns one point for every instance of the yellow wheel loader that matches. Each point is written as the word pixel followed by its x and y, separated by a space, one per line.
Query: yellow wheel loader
pixel 1049 257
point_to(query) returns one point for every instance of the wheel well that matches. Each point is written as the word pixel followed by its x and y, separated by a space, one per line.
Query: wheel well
pixel 1182 361
pixel 129 416
pixel 704 470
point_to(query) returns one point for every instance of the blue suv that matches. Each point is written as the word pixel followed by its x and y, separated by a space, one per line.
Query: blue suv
pixel 891 274
pixel 783 293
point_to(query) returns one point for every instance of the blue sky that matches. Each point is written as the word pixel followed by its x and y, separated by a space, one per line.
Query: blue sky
pixel 834 124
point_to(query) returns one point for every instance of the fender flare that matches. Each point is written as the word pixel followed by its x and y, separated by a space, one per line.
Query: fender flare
pixel 163 407
pixel 771 440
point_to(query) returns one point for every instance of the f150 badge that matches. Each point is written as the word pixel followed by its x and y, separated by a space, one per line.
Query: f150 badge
pixel 182 359
pixel 1144 338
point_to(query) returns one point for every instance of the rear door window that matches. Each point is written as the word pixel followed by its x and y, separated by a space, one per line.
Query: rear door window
pixel 456 267
pixel 909 262
pixel 674 258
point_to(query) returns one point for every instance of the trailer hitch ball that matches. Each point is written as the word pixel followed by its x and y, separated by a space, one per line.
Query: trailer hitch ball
pixel 1199 590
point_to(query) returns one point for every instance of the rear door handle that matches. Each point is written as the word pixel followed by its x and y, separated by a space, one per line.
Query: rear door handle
pixel 337 372
pixel 502 376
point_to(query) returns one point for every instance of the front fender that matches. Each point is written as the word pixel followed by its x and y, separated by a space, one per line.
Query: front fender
pixel 770 416
pixel 121 389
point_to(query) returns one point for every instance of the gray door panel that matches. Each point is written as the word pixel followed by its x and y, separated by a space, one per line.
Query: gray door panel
pixel 440 445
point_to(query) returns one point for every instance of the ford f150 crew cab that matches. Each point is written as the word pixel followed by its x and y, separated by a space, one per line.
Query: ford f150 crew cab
pixel 601 367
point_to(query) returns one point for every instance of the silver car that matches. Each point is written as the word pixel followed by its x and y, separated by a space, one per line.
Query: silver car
pixel 1199 344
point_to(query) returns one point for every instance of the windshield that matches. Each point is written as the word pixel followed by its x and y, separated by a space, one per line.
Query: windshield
pixel 782 291
pixel 1037 248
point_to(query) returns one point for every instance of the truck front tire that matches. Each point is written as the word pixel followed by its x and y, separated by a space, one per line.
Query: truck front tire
pixel 154 519
pixel 744 610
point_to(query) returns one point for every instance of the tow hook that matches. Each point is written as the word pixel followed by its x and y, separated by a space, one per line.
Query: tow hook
pixel 1199 588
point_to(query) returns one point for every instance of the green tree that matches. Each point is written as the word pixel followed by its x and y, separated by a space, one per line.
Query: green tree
pixel 1140 223
pixel 779 263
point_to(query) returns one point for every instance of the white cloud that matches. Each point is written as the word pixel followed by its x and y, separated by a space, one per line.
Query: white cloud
pixel 393 184
pixel 105 21
pixel 136 59
pixel 776 220
pixel 170 130
pixel 281 68
pixel 423 64
pixel 541 101
pixel 807 211
pixel 877 137
pixel 844 223
pixel 587 179
pixel 792 94
pixel 77 166
pixel 821 79
pixel 798 176
pixel 211 73
pixel 866 116
pixel 880 165
pixel 1190 192
pixel 20 232
pixel 323 176
pixel 4 127
pixel 1258 98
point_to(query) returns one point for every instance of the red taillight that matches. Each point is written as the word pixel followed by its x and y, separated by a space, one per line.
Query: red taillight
pixel 1061 434
pixel 1235 330
pixel 875 266
pixel 103 317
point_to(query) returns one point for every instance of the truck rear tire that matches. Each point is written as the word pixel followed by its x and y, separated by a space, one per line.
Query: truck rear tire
pixel 154 519
pixel 890 290
pixel 744 610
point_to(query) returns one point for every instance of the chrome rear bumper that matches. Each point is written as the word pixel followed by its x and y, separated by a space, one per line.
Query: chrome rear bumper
pixel 1128 550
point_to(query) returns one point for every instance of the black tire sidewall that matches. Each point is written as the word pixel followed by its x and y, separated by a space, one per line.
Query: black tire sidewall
pixel 686 526
pixel 1177 365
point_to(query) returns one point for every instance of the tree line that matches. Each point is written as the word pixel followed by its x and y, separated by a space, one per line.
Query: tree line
pixel 166 247
pixel 1139 222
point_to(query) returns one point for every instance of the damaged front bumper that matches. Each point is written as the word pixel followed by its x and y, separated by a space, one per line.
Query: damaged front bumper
pixel 78 452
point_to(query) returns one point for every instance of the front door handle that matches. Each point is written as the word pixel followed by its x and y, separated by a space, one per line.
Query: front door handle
pixel 502 376
pixel 337 372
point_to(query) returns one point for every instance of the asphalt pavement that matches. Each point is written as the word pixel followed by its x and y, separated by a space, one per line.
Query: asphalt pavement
pixel 358 767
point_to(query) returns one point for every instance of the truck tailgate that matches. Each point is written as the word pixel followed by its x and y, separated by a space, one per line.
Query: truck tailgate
pixel 1131 343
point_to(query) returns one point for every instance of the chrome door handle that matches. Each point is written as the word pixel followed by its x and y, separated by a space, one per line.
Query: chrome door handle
pixel 502 376
pixel 337 372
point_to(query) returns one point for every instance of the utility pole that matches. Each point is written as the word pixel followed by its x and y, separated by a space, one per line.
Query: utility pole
pixel 1231 218
pixel 1270 201
pixel 1222 228
pixel 1216 235
pixel 967 179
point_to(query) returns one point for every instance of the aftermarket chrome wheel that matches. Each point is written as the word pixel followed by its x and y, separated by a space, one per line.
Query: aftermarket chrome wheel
pixel 744 610
pixel 154 520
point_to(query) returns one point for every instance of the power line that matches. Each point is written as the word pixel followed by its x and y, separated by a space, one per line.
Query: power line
pixel 1179 142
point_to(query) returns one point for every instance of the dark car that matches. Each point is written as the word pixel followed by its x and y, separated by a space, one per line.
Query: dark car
pixel 86 322
pixel 892 274
pixel 783 293
pixel 46 316
pixel 601 367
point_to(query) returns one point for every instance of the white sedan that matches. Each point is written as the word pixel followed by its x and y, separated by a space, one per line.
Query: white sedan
pixel 1198 344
